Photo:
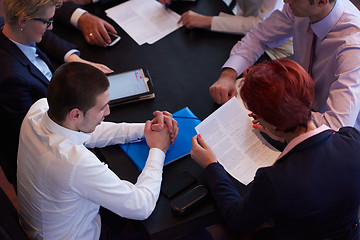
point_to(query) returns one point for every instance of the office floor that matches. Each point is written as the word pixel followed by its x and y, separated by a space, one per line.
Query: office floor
pixel 8 189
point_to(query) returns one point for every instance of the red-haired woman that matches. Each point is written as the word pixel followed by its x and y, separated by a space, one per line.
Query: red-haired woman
pixel 312 190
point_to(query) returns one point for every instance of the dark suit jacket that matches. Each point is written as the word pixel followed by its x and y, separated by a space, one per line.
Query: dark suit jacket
pixel 63 14
pixel 310 193
pixel 21 84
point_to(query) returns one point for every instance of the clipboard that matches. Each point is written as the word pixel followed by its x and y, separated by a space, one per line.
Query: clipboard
pixel 187 121
pixel 130 86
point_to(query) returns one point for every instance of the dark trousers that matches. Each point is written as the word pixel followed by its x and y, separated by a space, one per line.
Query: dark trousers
pixel 114 227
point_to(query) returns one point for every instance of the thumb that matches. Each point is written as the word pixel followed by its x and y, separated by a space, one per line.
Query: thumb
pixel 148 126
pixel 201 141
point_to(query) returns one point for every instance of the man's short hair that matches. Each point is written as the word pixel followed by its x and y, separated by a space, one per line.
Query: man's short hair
pixel 30 8
pixel 279 91
pixel 74 85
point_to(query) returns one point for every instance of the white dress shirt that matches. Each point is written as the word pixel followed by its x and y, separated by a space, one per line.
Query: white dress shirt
pixel 336 63
pixel 61 184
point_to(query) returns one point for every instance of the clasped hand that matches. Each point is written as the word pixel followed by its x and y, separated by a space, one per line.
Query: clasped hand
pixel 161 131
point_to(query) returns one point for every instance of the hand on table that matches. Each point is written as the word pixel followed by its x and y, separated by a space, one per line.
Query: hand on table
pixel 192 19
pixel 161 131
pixel 165 119
pixel 95 30
pixel 224 88
pixel 102 67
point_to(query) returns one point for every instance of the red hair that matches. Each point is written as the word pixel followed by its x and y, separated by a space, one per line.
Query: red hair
pixel 279 91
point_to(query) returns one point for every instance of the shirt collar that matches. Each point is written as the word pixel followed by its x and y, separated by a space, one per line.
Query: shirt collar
pixel 74 136
pixel 296 141
pixel 323 27
pixel 29 50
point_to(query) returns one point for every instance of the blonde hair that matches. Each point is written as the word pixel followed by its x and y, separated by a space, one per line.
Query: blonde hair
pixel 29 8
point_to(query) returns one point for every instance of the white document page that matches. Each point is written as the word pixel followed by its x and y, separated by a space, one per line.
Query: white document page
pixel 237 146
pixel 146 21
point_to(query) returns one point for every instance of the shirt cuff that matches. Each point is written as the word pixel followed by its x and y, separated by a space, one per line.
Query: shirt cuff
pixel 76 15
pixel 72 51
pixel 238 63
pixel 95 1
pixel 158 155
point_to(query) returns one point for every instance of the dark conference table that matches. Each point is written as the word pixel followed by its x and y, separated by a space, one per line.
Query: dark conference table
pixel 183 66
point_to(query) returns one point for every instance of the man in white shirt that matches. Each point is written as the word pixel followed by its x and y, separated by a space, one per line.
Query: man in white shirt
pixel 61 184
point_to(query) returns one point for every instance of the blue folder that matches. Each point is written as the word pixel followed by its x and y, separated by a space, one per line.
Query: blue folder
pixel 187 121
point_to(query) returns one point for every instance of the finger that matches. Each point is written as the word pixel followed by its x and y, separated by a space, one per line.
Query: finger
pixel 158 121
pixel 233 93
pixel 167 113
pixel 255 121
pixel 181 18
pixel 104 68
pixel 223 96
pixel 169 123
pixel 259 127
pixel 194 141
pixel 104 33
pixel 110 28
pixel 147 126
pixel 100 35
pixel 212 92
pixel 175 128
pixel 201 141
pixel 215 94
pixel 176 133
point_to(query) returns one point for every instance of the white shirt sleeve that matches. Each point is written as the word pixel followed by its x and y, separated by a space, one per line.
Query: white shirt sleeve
pixel 109 133
pixel 76 15
pixel 94 181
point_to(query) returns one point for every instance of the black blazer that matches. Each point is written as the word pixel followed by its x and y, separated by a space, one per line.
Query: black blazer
pixel 310 193
pixel 21 84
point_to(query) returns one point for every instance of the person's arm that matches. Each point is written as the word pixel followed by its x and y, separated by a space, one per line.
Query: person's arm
pixel 94 29
pixel 55 47
pixel 242 24
pixel 64 51
pixel 135 201
pixel 270 33
pixel 240 214
pixel 108 133
pixel 192 19
pixel 343 103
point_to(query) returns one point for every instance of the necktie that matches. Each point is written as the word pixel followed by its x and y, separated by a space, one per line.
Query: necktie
pixel 310 50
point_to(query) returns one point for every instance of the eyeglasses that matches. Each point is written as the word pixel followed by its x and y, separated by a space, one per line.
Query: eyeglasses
pixel 47 22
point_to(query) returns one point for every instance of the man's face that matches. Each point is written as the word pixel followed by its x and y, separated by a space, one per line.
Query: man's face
pixel 301 8
pixel 95 115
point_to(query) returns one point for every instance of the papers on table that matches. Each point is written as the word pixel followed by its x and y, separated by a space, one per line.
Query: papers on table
pixel 237 146
pixel 146 21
